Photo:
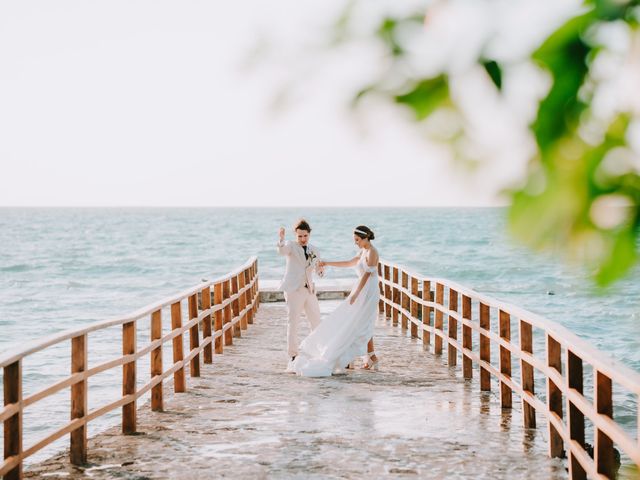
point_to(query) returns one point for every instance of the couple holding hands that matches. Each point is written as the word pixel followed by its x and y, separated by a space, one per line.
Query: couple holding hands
pixel 347 331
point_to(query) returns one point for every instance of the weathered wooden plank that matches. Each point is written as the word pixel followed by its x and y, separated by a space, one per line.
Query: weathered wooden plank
pixel 179 381
pixel 467 342
pixel 405 300
pixel 396 297
pixel 227 314
pixel 242 303
pixel 249 295
pixel 156 361
pixel 439 319
pixel 387 292
pixel 235 306
pixel 414 307
pixel 218 318
pixel 381 288
pixel 554 396
pixel 506 396
pixel 129 411
pixel 206 325
pixel 426 313
pixel 12 384
pixel 575 418
pixel 526 374
pixel 485 346
pixel 453 328
pixel 194 336
pixel 603 451
pixel 79 395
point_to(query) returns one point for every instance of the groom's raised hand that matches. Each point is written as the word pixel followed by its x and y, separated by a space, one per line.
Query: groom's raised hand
pixel 281 233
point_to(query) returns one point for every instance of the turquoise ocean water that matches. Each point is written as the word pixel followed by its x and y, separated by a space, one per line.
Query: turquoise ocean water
pixel 63 268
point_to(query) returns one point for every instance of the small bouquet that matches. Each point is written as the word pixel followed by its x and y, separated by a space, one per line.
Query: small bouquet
pixel 312 261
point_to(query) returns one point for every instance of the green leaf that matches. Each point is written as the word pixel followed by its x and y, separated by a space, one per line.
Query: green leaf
pixel 495 72
pixel 620 258
pixel 340 28
pixel 611 10
pixel 387 31
pixel 426 96
pixel 558 216
pixel 565 55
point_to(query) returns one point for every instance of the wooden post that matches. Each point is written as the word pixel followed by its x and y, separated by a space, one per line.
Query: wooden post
pixel 405 300
pixel 426 313
pixel 255 294
pixel 242 303
pixel 156 361
pixel 467 365
pixel 381 287
pixel 414 308
pixel 257 283
pixel 194 336
pixel 485 347
pixel 12 380
pixel 179 383
pixel 575 418
pixel 439 322
pixel 387 292
pixel 248 298
pixel 235 307
pixel 396 297
pixel 217 318
pixel 226 294
pixel 129 378
pixel 453 327
pixel 206 325
pixel 79 394
pixel 554 396
pixel 603 451
pixel 505 359
pixel 526 374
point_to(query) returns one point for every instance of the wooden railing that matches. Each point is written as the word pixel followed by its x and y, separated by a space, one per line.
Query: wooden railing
pixel 418 303
pixel 234 305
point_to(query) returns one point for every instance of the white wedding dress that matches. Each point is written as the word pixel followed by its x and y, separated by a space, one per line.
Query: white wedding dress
pixel 344 334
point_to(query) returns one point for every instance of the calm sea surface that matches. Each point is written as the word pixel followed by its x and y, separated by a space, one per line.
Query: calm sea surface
pixel 64 268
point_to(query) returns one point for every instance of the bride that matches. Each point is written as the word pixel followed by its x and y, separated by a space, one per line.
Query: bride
pixel 347 332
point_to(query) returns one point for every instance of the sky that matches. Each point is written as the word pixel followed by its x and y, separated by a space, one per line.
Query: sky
pixel 167 103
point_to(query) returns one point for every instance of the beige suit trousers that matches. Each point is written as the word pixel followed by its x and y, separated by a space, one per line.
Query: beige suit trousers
pixel 298 301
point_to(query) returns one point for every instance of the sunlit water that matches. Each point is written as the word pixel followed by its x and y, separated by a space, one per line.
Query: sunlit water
pixel 64 268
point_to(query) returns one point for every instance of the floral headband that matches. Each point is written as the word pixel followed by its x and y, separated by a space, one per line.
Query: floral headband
pixel 361 232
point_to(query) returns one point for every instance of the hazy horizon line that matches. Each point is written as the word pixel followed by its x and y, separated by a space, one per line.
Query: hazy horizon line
pixel 264 207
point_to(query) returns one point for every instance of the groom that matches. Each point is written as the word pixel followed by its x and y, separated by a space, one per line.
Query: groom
pixel 297 284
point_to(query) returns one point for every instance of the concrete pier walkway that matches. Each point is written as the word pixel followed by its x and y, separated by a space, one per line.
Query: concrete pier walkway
pixel 246 418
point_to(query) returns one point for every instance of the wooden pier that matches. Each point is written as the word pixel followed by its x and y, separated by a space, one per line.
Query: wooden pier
pixel 497 341
pixel 408 298
pixel 234 306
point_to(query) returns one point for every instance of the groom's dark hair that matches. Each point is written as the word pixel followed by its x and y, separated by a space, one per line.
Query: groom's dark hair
pixel 302 225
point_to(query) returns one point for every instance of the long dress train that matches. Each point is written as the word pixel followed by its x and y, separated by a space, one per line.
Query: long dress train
pixel 344 334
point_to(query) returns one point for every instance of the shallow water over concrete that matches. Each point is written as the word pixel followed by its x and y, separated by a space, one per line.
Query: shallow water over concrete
pixel 247 418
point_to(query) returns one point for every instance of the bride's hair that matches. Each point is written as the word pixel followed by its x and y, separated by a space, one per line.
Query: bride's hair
pixel 364 232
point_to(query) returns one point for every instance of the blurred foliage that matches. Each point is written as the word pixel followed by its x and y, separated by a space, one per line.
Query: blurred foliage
pixel 426 96
pixel 571 201
pixel 494 71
